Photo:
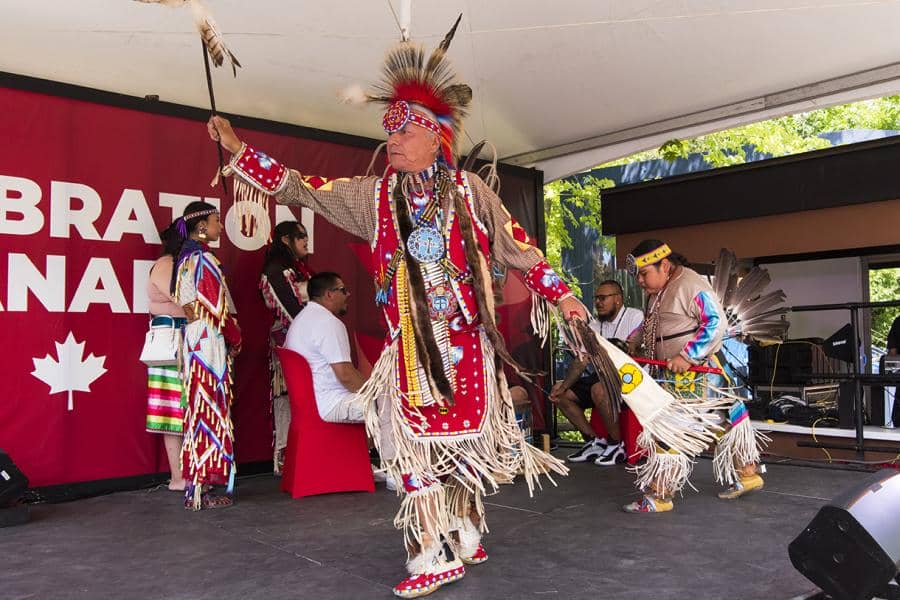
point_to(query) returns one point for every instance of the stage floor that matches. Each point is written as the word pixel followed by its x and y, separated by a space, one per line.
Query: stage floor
pixel 572 541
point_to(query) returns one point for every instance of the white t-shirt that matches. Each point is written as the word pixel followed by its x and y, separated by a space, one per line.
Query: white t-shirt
pixel 620 326
pixel 321 338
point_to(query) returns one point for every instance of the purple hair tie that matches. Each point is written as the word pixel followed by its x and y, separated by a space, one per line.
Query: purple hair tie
pixel 182 227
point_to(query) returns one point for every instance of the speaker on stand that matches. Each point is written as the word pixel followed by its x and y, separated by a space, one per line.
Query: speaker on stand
pixel 13 484
pixel 851 549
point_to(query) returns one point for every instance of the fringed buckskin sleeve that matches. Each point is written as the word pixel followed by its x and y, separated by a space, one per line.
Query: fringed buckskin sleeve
pixel 347 203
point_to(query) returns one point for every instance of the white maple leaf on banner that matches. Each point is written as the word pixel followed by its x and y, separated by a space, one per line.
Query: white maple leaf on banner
pixel 69 373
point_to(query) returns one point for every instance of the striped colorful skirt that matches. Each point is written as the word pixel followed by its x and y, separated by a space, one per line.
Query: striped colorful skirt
pixel 164 411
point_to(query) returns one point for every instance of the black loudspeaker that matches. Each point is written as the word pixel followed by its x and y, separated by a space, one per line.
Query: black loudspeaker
pixel 790 363
pixel 847 405
pixel 838 345
pixel 851 549
pixel 13 482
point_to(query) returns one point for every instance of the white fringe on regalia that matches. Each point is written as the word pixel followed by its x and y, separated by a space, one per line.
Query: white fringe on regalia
pixel 474 465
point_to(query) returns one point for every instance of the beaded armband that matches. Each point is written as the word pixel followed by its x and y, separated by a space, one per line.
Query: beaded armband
pixel 543 280
pixel 258 169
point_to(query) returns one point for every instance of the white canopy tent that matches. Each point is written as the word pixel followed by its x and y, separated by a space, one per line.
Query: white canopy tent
pixel 559 86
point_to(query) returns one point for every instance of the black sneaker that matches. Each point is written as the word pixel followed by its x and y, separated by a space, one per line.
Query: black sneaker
pixel 611 456
pixel 589 451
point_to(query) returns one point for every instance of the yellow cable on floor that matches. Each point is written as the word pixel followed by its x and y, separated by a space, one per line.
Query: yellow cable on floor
pixel 816 440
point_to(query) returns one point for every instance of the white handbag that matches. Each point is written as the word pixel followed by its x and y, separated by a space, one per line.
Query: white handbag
pixel 162 342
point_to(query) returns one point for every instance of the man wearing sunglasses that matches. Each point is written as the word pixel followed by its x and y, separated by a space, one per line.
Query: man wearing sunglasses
pixel 581 390
pixel 319 336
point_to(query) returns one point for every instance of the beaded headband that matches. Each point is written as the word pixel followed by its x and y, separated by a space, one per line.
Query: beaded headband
pixel 633 263
pixel 399 114
pixel 181 222
pixel 200 213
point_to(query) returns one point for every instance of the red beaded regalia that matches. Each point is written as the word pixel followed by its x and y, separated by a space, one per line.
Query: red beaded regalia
pixel 439 407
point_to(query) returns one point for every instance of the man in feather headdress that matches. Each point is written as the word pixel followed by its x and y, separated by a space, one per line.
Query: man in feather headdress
pixel 444 423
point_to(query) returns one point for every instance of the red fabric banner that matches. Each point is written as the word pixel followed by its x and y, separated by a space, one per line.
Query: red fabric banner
pixel 84 189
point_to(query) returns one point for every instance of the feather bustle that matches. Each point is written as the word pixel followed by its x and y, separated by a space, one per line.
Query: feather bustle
pixel 752 315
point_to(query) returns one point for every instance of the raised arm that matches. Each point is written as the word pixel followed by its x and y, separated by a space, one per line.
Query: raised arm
pixel 347 203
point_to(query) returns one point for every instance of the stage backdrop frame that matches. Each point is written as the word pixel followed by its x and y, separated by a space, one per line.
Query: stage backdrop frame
pixel 73 276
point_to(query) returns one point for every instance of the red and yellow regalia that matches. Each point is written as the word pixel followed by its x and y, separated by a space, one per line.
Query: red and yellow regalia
pixel 438 404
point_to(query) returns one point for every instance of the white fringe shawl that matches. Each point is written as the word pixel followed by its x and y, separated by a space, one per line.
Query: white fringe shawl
pixel 665 472
pixel 741 445
pixel 687 425
pixel 477 462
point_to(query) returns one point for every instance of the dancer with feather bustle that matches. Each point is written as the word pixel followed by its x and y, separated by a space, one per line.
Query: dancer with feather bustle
pixel 437 402
pixel 685 325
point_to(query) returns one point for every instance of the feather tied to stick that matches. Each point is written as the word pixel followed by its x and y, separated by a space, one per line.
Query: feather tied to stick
pixel 212 37
pixel 209 31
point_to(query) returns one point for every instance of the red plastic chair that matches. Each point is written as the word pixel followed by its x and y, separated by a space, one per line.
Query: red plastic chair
pixel 321 457
pixel 630 429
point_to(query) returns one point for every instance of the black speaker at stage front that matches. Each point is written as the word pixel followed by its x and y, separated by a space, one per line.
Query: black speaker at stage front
pixel 851 549
pixel 13 482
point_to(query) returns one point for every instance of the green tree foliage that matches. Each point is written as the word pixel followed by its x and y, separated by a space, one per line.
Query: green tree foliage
pixel 884 285
pixel 792 134
pixel 567 202
pixel 783 136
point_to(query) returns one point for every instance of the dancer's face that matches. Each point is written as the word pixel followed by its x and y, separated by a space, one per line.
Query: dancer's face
pixel 412 148
pixel 653 278
pixel 300 245
pixel 213 227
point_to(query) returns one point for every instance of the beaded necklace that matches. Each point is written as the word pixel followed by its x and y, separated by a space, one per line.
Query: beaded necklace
pixel 651 325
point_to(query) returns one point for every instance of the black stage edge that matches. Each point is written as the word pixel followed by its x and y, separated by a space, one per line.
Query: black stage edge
pixel 527 181
pixel 100 487
pixel 841 176
pixel 891 592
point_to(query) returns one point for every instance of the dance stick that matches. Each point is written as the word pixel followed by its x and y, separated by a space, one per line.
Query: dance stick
pixel 662 363
pixel 212 103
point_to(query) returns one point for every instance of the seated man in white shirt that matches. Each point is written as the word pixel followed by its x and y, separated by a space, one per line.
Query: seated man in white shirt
pixel 321 338
pixel 580 389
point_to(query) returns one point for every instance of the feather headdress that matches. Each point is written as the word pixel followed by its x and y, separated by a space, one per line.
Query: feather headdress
pixel 408 78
